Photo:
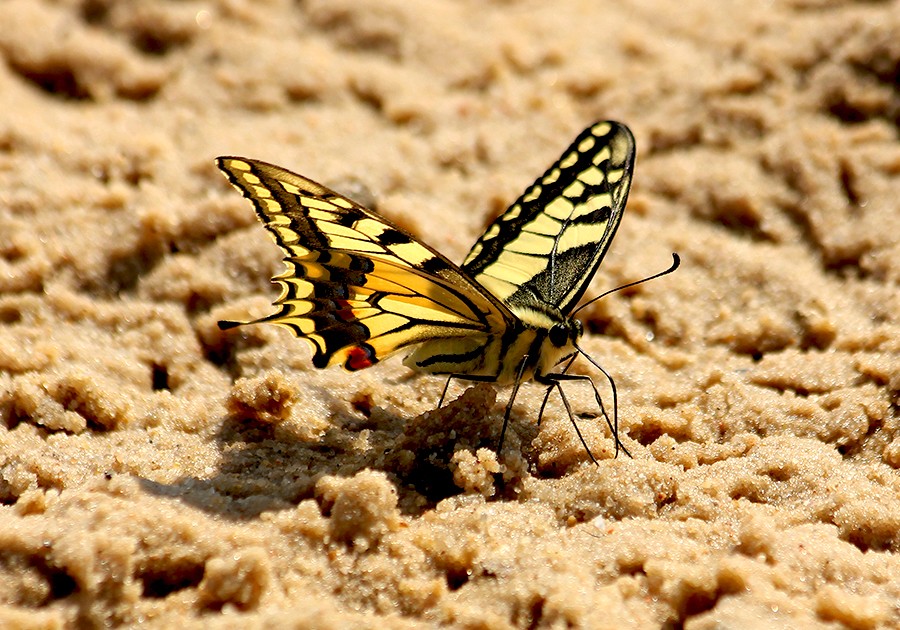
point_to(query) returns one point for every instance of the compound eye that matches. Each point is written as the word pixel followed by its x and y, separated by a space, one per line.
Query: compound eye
pixel 559 335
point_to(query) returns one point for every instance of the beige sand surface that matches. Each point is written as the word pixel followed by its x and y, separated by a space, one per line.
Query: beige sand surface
pixel 154 469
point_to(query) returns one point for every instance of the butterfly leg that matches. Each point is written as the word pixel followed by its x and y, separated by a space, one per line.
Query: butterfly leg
pixel 556 380
pixel 464 377
pixel 444 393
pixel 509 405
pixel 615 394
pixel 550 389
pixel 568 407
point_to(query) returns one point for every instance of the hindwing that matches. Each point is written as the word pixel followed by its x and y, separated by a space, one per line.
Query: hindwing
pixel 544 250
pixel 355 285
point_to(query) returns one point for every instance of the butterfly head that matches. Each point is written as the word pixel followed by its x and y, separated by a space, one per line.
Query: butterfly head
pixel 565 333
pixel 558 344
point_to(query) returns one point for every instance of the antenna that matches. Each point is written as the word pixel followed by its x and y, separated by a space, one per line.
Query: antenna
pixel 676 261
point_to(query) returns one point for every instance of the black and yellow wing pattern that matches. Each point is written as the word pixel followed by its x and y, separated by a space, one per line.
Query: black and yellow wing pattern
pixel 545 248
pixel 359 288
pixel 356 286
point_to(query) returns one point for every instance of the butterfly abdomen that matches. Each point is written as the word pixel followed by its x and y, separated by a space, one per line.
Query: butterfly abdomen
pixel 496 358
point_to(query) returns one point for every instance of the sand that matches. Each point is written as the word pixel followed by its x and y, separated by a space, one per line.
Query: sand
pixel 156 470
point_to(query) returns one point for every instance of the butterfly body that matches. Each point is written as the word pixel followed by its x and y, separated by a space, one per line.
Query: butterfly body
pixel 359 288
pixel 523 352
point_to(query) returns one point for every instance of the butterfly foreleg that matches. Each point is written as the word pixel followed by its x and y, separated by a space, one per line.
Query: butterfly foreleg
pixel 615 394
pixel 556 379
pixel 550 389
pixel 556 383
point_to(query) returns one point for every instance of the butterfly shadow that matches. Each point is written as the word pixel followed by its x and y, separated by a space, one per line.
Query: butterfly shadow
pixel 266 464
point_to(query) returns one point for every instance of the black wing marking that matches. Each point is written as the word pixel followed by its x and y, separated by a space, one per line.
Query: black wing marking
pixel 544 250
pixel 356 286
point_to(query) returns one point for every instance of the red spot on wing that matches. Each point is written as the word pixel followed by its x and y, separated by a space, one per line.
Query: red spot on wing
pixel 344 310
pixel 360 357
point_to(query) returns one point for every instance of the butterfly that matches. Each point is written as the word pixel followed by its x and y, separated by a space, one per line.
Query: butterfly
pixel 359 288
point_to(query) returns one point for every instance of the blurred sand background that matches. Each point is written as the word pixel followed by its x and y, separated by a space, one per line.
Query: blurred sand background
pixel 155 470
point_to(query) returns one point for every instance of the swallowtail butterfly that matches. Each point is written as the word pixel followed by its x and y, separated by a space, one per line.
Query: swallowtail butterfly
pixel 359 288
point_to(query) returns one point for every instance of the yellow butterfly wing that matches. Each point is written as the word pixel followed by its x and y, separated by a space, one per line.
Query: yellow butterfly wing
pixel 357 287
pixel 543 251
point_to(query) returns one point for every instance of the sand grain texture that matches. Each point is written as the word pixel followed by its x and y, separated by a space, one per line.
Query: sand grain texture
pixel 156 470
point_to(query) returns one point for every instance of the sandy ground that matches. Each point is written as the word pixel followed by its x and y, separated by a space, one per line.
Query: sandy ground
pixel 154 469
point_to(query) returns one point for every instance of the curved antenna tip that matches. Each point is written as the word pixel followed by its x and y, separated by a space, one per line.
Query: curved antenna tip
pixel 676 262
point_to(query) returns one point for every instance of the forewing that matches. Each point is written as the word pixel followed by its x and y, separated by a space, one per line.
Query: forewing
pixel 544 250
pixel 356 286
